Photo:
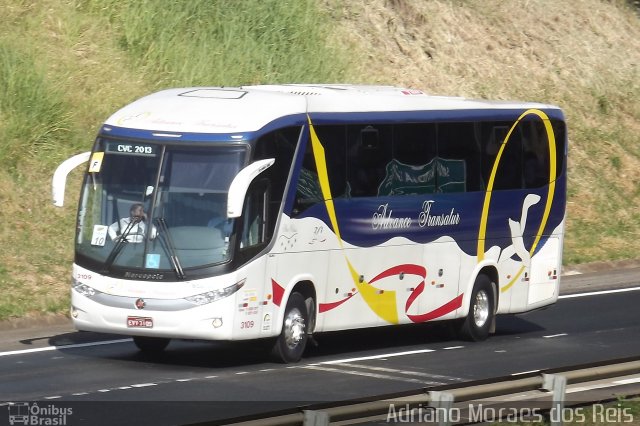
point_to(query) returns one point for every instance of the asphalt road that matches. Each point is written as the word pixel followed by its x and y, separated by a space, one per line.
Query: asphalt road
pixel 105 380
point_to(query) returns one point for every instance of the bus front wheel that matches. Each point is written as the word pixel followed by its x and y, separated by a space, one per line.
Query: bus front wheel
pixel 292 340
pixel 477 324
pixel 151 344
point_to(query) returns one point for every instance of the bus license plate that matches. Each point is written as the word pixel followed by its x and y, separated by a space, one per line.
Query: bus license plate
pixel 139 322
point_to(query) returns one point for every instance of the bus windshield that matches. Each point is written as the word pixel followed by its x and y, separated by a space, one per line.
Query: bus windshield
pixel 153 207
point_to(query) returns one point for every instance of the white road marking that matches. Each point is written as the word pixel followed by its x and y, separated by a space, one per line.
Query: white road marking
pixel 53 397
pixel 184 380
pixel 524 372
pixel 364 358
pixel 596 293
pixel 210 377
pixel 55 348
pixel 363 373
pixel 551 336
pixel 453 347
pixel 143 385
pixel 80 393
pixel 405 372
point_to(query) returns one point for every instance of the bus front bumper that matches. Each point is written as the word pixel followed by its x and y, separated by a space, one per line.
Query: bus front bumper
pixel 212 321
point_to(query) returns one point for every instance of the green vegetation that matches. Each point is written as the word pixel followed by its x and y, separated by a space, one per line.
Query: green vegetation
pixel 65 66
pixel 203 42
pixel 36 117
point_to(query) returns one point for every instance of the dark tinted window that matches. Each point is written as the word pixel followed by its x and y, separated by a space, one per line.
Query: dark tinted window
pixel 421 158
pixel 369 150
pixel 524 162
pixel 281 145
pixel 458 166
pixel 509 172
pixel 560 132
pixel 333 140
pixel 411 170
pixel 535 154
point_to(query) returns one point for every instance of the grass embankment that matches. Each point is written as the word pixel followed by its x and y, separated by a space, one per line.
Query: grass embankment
pixel 67 65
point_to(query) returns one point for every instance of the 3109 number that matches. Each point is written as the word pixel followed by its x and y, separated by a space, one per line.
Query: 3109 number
pixel 247 324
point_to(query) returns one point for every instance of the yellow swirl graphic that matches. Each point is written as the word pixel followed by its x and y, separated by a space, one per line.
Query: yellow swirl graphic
pixel 383 303
pixel 550 193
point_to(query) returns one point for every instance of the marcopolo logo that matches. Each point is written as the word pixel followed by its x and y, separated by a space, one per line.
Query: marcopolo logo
pixel 25 413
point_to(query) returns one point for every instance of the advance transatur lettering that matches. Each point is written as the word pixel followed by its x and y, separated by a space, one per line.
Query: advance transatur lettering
pixel 383 218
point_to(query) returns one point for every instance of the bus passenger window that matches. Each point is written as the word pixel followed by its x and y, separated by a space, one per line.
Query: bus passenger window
pixel 411 171
pixel 509 172
pixel 458 158
pixel 535 148
pixel 369 152
pixel 254 219
pixel 308 191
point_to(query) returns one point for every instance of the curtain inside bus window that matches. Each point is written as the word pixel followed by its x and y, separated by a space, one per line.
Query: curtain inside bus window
pixel 412 170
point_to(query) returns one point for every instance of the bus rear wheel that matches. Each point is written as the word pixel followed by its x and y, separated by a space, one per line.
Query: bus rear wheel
pixel 477 324
pixel 151 345
pixel 290 345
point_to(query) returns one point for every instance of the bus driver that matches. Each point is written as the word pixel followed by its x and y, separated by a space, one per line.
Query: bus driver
pixel 133 227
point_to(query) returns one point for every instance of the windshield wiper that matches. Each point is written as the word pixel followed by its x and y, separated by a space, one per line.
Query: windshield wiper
pixel 122 239
pixel 167 243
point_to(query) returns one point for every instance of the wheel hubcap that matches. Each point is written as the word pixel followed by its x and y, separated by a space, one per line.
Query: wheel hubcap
pixel 481 308
pixel 294 328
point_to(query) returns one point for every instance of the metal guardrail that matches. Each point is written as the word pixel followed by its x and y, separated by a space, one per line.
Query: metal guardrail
pixel 443 397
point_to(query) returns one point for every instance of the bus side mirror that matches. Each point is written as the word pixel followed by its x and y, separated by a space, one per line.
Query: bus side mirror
pixel 240 184
pixel 59 180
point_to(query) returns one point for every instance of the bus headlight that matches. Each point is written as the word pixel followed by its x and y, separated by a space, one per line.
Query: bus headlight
pixel 212 296
pixel 83 289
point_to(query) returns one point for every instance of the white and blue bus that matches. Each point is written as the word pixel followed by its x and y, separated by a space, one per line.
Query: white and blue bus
pixel 279 211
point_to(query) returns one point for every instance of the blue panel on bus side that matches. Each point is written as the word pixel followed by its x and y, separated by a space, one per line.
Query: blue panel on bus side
pixel 367 222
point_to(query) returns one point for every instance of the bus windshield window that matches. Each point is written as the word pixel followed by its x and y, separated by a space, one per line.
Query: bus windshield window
pixel 157 208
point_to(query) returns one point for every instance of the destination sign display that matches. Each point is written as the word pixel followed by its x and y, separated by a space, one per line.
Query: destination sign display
pixel 126 148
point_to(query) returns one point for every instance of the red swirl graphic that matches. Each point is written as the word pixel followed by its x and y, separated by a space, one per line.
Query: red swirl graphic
pixel 412 269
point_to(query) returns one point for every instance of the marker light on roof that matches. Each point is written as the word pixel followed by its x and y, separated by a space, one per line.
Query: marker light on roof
pixel 167 135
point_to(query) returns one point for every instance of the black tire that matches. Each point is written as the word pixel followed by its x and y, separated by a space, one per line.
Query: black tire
pixel 477 324
pixel 290 345
pixel 151 345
